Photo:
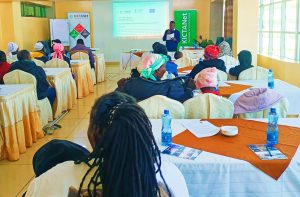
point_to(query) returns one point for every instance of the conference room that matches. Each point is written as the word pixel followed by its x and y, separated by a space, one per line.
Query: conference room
pixel 181 98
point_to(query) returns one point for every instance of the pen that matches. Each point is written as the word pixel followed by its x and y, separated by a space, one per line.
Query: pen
pixel 269 151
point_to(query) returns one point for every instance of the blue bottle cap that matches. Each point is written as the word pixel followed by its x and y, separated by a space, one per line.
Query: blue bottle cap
pixel 273 110
pixel 270 70
pixel 166 111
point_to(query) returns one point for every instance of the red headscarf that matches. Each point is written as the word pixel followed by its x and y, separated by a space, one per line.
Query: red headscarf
pixel 211 52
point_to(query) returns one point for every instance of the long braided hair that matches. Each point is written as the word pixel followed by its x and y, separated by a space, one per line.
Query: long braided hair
pixel 126 156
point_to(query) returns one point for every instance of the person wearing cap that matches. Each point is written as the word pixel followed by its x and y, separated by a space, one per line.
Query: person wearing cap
pixel 150 84
pixel 4 66
pixel 59 53
pixel 12 49
pixel 207 81
pixel 211 54
pixel 245 59
pixel 81 47
pixel 39 53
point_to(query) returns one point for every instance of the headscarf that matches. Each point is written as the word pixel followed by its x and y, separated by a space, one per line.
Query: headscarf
pixel 207 78
pixel 225 49
pixel 245 58
pixel 255 100
pixel 38 46
pixel 211 52
pixel 11 48
pixel 58 49
pixel 150 64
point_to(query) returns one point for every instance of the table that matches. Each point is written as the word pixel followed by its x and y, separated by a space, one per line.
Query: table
pixel 215 175
pixel 99 67
pixel 191 56
pixel 291 92
pixel 131 59
pixel 19 120
pixel 84 82
pixel 61 79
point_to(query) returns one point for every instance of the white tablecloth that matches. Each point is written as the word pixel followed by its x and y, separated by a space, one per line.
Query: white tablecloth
pixel 291 92
pixel 130 60
pixel 214 175
pixel 99 67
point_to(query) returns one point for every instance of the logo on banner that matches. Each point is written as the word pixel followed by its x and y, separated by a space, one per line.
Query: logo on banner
pixel 79 29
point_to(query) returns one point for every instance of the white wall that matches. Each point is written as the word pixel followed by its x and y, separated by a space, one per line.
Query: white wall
pixel 103 34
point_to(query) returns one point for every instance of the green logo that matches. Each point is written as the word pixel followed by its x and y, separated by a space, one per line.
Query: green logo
pixel 74 34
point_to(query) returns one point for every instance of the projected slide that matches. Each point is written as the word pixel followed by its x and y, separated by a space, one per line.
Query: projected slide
pixel 140 19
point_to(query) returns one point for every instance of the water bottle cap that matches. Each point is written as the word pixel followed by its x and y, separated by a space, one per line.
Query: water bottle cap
pixel 273 110
pixel 270 70
pixel 166 112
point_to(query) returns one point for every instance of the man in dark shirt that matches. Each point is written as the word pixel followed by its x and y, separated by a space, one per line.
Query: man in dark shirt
pixel 81 47
pixel 172 37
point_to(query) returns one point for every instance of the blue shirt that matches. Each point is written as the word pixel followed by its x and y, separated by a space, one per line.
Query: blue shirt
pixel 170 44
pixel 171 67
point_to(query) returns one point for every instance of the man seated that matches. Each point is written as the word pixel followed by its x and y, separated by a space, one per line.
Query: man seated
pixel 149 84
pixel 39 53
pixel 81 47
pixel 12 49
pixel 245 59
pixel 25 64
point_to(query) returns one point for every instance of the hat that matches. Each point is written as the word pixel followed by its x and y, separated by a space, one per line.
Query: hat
pixel 211 52
pixel 255 100
pixel 38 46
pixel 58 49
pixel 150 64
pixel 12 47
pixel 207 78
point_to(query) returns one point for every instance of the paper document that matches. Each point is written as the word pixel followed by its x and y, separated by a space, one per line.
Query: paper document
pixel 201 128
pixel 170 36
pixel 266 152
pixel 182 152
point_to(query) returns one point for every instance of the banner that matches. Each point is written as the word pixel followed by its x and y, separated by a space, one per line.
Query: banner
pixel 186 24
pixel 79 27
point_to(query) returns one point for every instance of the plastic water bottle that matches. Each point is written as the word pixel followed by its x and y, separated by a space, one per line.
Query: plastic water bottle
pixel 169 75
pixel 166 131
pixel 272 132
pixel 270 79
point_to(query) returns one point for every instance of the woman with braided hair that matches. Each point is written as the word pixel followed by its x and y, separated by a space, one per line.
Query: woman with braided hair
pixel 125 160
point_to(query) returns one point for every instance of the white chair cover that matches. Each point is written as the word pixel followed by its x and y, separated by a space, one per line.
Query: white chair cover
pixel 281 109
pixel 180 63
pixel 254 73
pixel 56 63
pixel 155 106
pixel 208 106
pixel 39 63
pixel 222 76
pixel 21 77
pixel 229 61
pixel 84 56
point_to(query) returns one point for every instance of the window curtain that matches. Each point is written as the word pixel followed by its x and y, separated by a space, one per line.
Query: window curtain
pixel 228 22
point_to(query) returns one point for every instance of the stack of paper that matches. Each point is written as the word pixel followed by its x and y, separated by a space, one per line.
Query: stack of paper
pixel 201 128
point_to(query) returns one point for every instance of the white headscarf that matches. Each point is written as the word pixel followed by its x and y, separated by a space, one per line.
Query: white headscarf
pixel 38 46
pixel 11 48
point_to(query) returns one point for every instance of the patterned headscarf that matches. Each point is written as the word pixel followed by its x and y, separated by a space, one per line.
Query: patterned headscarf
pixel 150 64
pixel 207 78
pixel 211 52
pixel 11 48
pixel 225 49
pixel 58 49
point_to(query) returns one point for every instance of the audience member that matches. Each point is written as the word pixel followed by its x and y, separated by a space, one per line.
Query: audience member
pixel 211 53
pixel 226 56
pixel 39 53
pixel 120 135
pixel 81 47
pixel 174 34
pixel 4 66
pixel 245 59
pixel 25 64
pixel 207 81
pixel 59 53
pixel 179 60
pixel 12 49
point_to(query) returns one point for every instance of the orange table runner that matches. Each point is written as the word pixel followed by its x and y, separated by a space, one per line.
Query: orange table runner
pixel 185 68
pixel 227 91
pixel 250 132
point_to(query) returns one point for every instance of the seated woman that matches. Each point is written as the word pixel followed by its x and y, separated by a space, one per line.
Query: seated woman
pixel 4 66
pixel 245 59
pixel 39 53
pixel 12 49
pixel 152 69
pixel 125 160
pixel 59 53
pixel 25 64
pixel 207 81
pixel 226 56
pixel 211 53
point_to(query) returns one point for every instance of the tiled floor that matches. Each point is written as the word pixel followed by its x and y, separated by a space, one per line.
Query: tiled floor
pixel 15 176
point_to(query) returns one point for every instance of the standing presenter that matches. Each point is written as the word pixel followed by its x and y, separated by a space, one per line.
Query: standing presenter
pixel 172 38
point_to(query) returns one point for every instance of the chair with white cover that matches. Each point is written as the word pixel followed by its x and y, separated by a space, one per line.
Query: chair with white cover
pixel 254 73
pixel 155 106
pixel 83 55
pixel 56 63
pixel 222 76
pixel 208 106
pixel 21 77
pixel 39 63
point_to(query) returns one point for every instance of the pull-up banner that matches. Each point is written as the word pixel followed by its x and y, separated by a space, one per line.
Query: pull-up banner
pixel 79 27
pixel 186 24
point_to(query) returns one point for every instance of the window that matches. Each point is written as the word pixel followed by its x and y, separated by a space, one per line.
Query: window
pixel 33 10
pixel 279 28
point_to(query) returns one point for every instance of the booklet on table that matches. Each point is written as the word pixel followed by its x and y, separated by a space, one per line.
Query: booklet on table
pixel 182 152
pixel 265 152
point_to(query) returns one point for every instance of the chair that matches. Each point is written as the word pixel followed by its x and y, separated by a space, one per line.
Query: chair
pixel 39 63
pixel 254 73
pixel 208 106
pixel 83 55
pixel 56 63
pixel 21 77
pixel 222 76
pixel 155 105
